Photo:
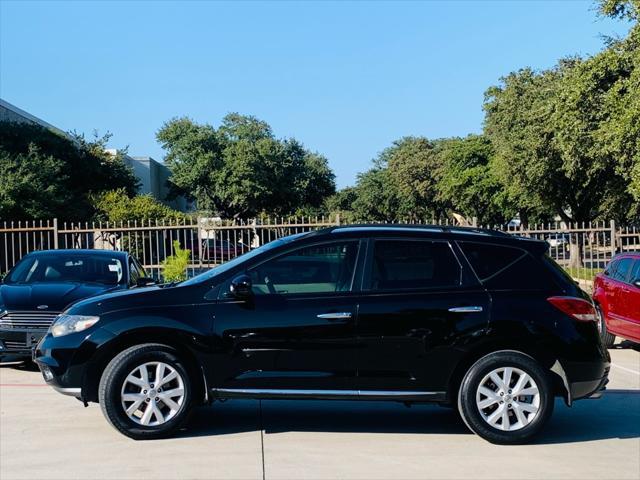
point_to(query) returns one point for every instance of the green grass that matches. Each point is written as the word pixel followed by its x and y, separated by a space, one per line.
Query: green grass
pixel 582 273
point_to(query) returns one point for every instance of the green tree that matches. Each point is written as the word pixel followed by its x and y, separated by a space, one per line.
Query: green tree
pixel 118 206
pixel 26 187
pixel 468 181
pixel 401 185
pixel 544 127
pixel 45 174
pixel 414 168
pixel 241 169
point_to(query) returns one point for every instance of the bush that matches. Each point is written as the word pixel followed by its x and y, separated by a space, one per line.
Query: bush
pixel 117 206
pixel 175 266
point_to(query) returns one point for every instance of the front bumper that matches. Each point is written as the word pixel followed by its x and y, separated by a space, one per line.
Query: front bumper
pixel 19 342
pixel 64 361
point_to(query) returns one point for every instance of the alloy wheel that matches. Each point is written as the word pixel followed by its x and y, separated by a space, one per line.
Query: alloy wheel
pixel 508 398
pixel 152 394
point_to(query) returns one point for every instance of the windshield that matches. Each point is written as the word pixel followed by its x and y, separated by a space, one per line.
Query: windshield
pixel 67 267
pixel 203 277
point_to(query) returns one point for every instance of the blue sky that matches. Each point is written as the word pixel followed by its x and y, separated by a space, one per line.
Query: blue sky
pixel 346 79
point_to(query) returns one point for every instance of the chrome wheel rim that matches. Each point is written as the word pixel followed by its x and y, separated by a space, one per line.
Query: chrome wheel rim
pixel 152 394
pixel 508 399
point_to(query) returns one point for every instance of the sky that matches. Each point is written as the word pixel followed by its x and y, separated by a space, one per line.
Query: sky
pixel 344 78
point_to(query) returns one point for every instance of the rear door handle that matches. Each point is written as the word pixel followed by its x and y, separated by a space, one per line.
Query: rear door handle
pixel 335 315
pixel 470 309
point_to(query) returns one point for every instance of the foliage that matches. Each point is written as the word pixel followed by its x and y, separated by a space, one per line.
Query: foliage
pixel 545 128
pixel 241 169
pixel 175 266
pixel 117 206
pixel 44 174
pixel 468 182
pixel 629 9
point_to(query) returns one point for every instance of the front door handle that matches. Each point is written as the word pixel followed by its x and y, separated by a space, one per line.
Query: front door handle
pixel 470 309
pixel 335 315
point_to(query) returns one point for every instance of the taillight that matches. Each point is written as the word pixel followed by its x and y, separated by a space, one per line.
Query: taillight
pixel 577 308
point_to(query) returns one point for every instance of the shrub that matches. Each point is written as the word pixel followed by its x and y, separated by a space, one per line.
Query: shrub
pixel 175 266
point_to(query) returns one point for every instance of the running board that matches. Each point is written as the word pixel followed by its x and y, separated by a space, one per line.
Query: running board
pixel 405 396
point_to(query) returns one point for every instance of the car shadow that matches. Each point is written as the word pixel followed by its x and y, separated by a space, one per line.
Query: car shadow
pixel 25 365
pixel 587 420
pixel 626 345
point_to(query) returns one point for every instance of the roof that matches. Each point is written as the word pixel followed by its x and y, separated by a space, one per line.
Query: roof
pixel 81 251
pixel 446 231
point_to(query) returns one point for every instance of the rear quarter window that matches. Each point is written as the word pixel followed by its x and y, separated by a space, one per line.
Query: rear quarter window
pixel 500 267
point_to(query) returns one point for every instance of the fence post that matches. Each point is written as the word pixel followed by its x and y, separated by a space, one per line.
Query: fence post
pixel 474 221
pixel 55 233
pixel 338 218
pixel 614 238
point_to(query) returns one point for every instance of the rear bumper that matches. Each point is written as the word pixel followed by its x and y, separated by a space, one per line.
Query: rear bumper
pixel 586 379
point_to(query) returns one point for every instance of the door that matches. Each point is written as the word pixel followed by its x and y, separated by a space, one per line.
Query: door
pixel 413 308
pixel 628 323
pixel 297 330
pixel 617 293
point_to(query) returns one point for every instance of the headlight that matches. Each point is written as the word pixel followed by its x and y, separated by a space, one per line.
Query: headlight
pixel 66 324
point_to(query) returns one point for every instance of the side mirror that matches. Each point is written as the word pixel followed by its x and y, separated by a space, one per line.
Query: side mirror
pixel 241 286
pixel 144 282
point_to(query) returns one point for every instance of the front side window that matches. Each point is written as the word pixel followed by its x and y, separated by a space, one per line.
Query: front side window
pixel 635 272
pixel 324 268
pixel 413 264
pixel 622 272
pixel 611 268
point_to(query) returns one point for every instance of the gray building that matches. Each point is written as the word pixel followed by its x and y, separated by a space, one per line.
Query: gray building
pixel 152 175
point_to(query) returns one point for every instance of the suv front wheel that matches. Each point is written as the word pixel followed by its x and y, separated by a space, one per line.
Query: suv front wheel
pixel 145 392
pixel 506 397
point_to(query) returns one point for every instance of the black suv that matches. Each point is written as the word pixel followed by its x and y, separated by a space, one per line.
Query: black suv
pixel 473 319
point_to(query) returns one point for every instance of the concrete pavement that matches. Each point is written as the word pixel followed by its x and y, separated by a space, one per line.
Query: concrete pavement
pixel 46 435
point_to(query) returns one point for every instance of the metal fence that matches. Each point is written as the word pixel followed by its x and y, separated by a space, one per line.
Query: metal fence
pixel 583 249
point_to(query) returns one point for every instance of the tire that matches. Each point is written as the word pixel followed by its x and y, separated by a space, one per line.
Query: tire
pixel 123 379
pixel 523 422
pixel 608 339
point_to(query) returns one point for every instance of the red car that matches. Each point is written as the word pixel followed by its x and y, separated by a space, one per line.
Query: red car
pixel 616 294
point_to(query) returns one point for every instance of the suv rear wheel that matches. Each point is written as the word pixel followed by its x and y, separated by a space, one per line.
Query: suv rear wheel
pixel 506 397
pixel 145 392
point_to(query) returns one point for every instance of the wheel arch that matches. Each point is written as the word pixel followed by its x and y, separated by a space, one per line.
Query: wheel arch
pixel 546 358
pixel 106 352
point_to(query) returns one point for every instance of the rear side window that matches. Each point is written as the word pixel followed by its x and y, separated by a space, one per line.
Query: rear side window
pixel 635 272
pixel 413 264
pixel 500 267
pixel 624 267
pixel 489 260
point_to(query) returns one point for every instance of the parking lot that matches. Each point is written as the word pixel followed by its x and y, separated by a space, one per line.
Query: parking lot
pixel 46 435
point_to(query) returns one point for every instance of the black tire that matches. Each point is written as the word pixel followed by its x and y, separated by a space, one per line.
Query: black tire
pixel 112 381
pixel 470 412
pixel 608 339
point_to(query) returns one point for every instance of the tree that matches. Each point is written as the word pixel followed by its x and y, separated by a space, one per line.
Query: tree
pixel 401 185
pixel 468 182
pixel 118 206
pixel 414 167
pixel 26 187
pixel 620 135
pixel 376 198
pixel 241 169
pixel 45 174
pixel 544 127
